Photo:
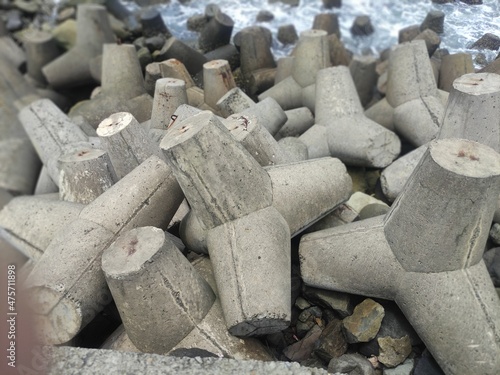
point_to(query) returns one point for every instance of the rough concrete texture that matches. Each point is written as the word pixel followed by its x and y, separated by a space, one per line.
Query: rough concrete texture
pixel 80 361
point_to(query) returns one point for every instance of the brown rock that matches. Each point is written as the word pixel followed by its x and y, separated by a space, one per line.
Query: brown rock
pixel 487 41
pixel 364 323
pixel 332 342
pixel 303 349
pixel 394 351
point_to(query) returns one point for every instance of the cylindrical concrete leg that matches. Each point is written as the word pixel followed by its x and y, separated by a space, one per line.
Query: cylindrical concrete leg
pixel 295 148
pixel 454 192
pixel 217 32
pixel 324 184
pixel 316 140
pixel 328 22
pixel 41 48
pixel 410 74
pixel 152 23
pixel 284 68
pixel 152 73
pixel 126 141
pixel 170 93
pixel 382 113
pixel 365 77
pixel 175 49
pixel 452 67
pixel 473 110
pixel 217 81
pixel 30 222
pixel 251 261
pixel 226 183
pixel 255 50
pixel 287 93
pixel 299 120
pixel 234 101
pixel 121 71
pixel 455 296
pixel 159 295
pixel 269 113
pixel 44 184
pixel 173 68
pixel 85 174
pixel 250 132
pixel 193 233
pixel 311 55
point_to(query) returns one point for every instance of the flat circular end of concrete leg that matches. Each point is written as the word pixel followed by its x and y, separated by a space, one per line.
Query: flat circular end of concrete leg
pixel 258 327
pixel 129 253
pixel 114 124
pixel 478 83
pixel 466 158
pixel 181 132
pixel 385 147
pixel 215 64
pixel 81 154
pixel 57 318
pixel 170 83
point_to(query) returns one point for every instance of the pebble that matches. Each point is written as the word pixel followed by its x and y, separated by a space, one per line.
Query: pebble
pixel 394 351
pixel 287 34
pixel 302 349
pixel 352 364
pixel 403 369
pixel 264 16
pixel 332 342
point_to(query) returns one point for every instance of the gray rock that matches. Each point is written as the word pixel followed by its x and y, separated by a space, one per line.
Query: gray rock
pixel 495 233
pixel 329 4
pixel 302 304
pixel 302 350
pixel 292 3
pixel 434 21
pixel 472 2
pixel 191 353
pixel 394 351
pixel 339 302
pixel 362 26
pixel 196 22
pixel 403 369
pixel 487 41
pixel 352 364
pixel 287 34
pixel 364 324
pixel 492 261
pixel 332 342
pixel 264 16
pixel 426 365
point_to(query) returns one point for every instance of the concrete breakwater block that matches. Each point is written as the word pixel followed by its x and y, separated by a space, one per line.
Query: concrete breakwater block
pixel 437 283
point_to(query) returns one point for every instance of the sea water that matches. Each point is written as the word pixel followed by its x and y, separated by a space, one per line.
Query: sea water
pixel 463 25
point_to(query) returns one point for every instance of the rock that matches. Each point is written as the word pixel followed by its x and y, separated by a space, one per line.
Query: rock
pixel 293 3
pixel 302 304
pixel 394 351
pixel 329 4
pixel 481 59
pixel 339 302
pixel 307 319
pixel 339 55
pixel 426 365
pixel 144 57
pixel 364 324
pixel 332 342
pixel 196 22
pixel 264 16
pixel 495 233
pixel 287 34
pixel 403 369
pixel 352 364
pixel 431 39
pixel 434 21
pixel 155 43
pixel 408 33
pixel 443 1
pixel 487 41
pixel 492 261
pixel 14 21
pixel 362 26
pixel 313 363
pixel 302 350
pixel 472 2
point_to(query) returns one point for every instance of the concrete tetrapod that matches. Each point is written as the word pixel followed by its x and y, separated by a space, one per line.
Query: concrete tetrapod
pixel 159 295
pixel 473 112
pixel 426 254
pixel 67 287
pixel 413 93
pixel 248 239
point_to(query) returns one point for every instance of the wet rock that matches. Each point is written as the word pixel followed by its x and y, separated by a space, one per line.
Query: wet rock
pixel 329 4
pixel 426 365
pixel 443 1
pixel 364 324
pixel 292 3
pixel 332 342
pixel 472 2
pixel 394 351
pixel 431 39
pixel 264 16
pixel 339 55
pixel 339 302
pixel 287 34
pixel 154 43
pixel 313 363
pixel 487 41
pixel 434 21
pixel 352 364
pixel 362 26
pixel 303 349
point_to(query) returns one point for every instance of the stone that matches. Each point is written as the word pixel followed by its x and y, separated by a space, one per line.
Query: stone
pixel 332 342
pixel 351 364
pixel 196 22
pixel 472 2
pixel 492 260
pixel 434 21
pixel 302 350
pixel 403 369
pixel 292 3
pixel 329 4
pixel 339 302
pixel 301 303
pixel 394 351
pixel 364 324
pixel 495 233
pixel 487 41
pixel 264 16
pixel 287 34
pixel 362 26
pixel 426 365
